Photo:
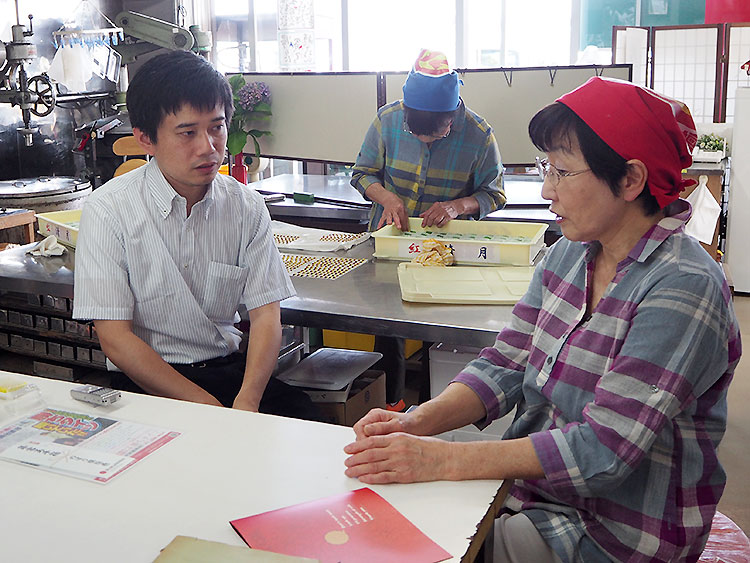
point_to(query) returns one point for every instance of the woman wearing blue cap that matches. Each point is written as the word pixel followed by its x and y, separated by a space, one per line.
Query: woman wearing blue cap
pixel 426 156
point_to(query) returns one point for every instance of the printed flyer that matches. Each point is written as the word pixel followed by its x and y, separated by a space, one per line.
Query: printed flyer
pixel 89 447
pixel 357 526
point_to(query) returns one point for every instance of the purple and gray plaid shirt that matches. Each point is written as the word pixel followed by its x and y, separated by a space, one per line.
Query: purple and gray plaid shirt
pixel 625 409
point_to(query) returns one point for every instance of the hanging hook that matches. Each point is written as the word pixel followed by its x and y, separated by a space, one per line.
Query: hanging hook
pixel 598 70
pixel 552 74
pixel 508 76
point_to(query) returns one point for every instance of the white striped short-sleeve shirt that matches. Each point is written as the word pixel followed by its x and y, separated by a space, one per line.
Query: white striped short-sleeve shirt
pixel 179 278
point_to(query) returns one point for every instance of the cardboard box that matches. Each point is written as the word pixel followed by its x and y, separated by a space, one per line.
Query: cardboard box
pixel 367 392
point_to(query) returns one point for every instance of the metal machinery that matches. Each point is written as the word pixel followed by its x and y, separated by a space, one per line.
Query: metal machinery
pixel 37 95
pixel 34 95
pixel 151 34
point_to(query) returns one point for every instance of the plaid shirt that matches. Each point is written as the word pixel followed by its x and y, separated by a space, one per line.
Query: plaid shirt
pixel 465 163
pixel 625 410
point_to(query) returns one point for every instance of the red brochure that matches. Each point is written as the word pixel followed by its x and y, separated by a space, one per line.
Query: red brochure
pixel 357 526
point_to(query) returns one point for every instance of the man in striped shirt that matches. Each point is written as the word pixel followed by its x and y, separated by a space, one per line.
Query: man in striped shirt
pixel 426 156
pixel 168 252
pixel 617 360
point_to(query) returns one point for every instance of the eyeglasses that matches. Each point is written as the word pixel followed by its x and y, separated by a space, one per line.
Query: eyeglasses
pixel 436 137
pixel 547 170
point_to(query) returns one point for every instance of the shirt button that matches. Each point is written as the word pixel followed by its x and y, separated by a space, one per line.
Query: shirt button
pixel 549 360
pixel 654 389
pixel 186 266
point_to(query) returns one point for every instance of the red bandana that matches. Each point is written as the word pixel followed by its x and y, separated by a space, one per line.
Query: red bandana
pixel 638 123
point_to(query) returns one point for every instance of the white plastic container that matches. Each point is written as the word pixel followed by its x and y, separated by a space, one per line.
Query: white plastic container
pixel 446 362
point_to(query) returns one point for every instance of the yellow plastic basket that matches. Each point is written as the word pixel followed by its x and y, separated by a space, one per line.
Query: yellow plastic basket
pixel 474 242
pixel 62 224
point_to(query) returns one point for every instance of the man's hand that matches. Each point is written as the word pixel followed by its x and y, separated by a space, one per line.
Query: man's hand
pixel 394 212
pixel 440 213
pixel 399 458
pixel 244 402
pixel 144 366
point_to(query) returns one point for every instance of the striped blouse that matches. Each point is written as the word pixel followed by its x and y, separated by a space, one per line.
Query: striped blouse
pixel 626 409
pixel 179 278
pixel 465 163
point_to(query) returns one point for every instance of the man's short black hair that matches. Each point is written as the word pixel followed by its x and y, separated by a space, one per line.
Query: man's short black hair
pixel 167 82
pixel 422 122
pixel 557 127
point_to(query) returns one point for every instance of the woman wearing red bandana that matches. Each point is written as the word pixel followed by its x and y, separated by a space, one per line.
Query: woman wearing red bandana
pixel 617 361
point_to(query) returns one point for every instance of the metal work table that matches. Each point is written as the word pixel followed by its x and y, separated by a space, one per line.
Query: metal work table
pixel 367 300
pixel 24 273
pixel 337 200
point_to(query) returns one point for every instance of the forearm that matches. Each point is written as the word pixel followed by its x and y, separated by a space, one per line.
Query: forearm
pixel 262 355
pixel 493 459
pixel 455 407
pixel 467 205
pixel 146 368
pixel 378 194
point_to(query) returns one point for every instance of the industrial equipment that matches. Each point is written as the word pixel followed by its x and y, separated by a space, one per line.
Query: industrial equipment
pixel 150 34
pixel 33 95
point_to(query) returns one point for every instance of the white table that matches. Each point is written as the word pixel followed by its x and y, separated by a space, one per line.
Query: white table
pixel 226 464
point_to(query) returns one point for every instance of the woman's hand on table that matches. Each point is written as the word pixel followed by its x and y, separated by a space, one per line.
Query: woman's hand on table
pixel 379 422
pixel 399 458
pixel 394 211
pixel 440 213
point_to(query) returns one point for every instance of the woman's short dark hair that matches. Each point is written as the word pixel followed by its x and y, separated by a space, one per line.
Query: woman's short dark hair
pixel 167 82
pixel 422 122
pixel 557 127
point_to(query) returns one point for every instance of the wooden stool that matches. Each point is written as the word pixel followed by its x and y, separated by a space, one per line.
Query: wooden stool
pixel 727 543
pixel 16 218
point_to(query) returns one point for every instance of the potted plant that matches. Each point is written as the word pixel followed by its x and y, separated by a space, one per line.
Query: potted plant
pixel 710 148
pixel 252 109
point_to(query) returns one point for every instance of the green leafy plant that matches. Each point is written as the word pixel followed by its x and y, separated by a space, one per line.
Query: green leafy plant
pixel 252 108
pixel 711 142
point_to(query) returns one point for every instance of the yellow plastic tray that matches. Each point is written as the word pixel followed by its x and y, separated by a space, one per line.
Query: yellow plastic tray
pixel 498 285
pixel 62 224
pixel 391 243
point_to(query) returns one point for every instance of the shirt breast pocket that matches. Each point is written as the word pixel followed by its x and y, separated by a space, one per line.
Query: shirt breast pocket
pixel 224 288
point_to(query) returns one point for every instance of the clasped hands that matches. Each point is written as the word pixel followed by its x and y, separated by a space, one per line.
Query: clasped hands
pixel 387 450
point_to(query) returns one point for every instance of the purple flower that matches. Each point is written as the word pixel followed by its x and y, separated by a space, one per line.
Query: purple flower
pixel 250 95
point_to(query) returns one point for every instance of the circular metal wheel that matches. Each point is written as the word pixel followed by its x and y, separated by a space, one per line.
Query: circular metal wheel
pixel 45 95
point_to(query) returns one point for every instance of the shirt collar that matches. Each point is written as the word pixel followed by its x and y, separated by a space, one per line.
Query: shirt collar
pixel 677 214
pixel 164 194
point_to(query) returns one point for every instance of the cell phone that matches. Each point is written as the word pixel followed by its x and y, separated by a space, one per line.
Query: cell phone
pixel 95 394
